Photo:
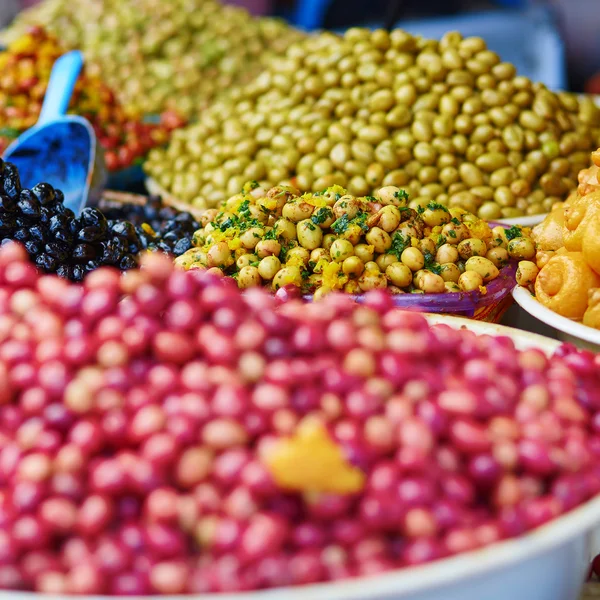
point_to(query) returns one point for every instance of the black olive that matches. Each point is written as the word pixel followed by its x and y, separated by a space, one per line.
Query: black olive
pixel 124 229
pixel 33 248
pixel 128 262
pixel 46 263
pixel 58 250
pixel 78 273
pixel 37 233
pixel 59 196
pixel 167 213
pixel 28 204
pixel 21 235
pixel 133 248
pixel 65 271
pixel 183 245
pixel 11 182
pixel 92 216
pixel 143 240
pixel 7 224
pixel 171 237
pixel 63 235
pixel 90 234
pixel 7 204
pixel 45 215
pixel 58 222
pixel 164 247
pixel 84 252
pixel 92 265
pixel 184 217
pixel 45 193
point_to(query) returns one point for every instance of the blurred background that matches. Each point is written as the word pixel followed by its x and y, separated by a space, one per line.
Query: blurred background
pixel 553 41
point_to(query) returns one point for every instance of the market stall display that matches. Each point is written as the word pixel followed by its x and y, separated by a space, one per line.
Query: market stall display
pixel 59 242
pixel 565 276
pixel 26 65
pixel 148 422
pixel 176 55
pixel 448 121
pixel 336 241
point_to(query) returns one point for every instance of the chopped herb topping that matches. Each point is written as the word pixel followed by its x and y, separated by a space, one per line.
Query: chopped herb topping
pixel 455 221
pixel 310 226
pixel 430 263
pixel 321 215
pixel 399 244
pixel 341 224
pixel 452 233
pixel 244 209
pixel 437 206
pixel 401 195
pixel 270 235
pixel 361 220
pixel 420 209
pixel 513 232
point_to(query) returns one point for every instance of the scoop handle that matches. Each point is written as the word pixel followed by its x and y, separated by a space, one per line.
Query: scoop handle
pixel 64 74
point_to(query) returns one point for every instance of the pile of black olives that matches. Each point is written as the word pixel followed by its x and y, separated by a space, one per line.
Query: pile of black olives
pixel 158 226
pixel 59 242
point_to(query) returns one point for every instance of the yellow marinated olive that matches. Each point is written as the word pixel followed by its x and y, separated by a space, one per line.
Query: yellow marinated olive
pixel 318 254
pixel 452 287
pixel 389 218
pixel 268 248
pixel 248 277
pixel 498 255
pixel 446 253
pixel 289 275
pixel 427 246
pixel 371 279
pixel 297 211
pixel 310 236
pixel 470 281
pixel 413 258
pixel 219 255
pixel 449 272
pixel 379 239
pixel 268 267
pixel 485 267
pixel 384 260
pixel 521 248
pixel 527 272
pixel 297 256
pixel 365 252
pixel 340 250
pixel 328 239
pixel 245 260
pixel 435 215
pixel 284 228
pixel 454 233
pixel 499 236
pixel 353 266
pixel 430 283
pixel 252 236
pixel 399 274
pixel 471 247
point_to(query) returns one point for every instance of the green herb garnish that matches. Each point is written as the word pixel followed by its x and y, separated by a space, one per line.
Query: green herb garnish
pixel 341 224
pixel 513 232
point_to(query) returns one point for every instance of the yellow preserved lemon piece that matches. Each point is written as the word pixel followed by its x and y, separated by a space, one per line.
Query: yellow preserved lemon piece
pixel 311 461
pixel 234 244
pixel 333 277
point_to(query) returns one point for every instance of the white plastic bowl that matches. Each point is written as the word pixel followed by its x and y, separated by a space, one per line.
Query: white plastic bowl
pixel 548 564
pixel 567 330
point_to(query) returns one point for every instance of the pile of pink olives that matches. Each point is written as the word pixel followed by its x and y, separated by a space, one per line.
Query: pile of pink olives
pixel 143 414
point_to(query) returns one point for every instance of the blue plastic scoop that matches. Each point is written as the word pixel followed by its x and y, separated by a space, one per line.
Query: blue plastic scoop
pixel 61 149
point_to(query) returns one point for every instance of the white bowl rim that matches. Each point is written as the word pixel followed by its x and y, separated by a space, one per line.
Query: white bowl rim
pixel 527 301
pixel 526 221
pixel 402 582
